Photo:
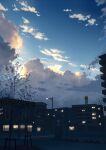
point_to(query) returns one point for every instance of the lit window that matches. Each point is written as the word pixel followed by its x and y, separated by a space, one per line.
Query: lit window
pixel 83 110
pixel 48 114
pixel 22 127
pixel 29 127
pixel 93 107
pixel 99 116
pixel 83 122
pixel 100 124
pixel 93 114
pixel 38 129
pixel 98 108
pixel 15 126
pixel 62 110
pixel 71 128
pixel 55 109
pixel 53 115
pixel 6 128
pixel 93 118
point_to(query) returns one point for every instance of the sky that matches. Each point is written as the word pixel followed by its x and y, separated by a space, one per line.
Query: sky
pixel 58 42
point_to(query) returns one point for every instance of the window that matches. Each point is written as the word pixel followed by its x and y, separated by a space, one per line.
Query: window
pixel 98 108
pixel 55 109
pixel 53 115
pixel 6 128
pixel 83 122
pixel 93 107
pixel 99 116
pixel 15 126
pixel 48 114
pixel 38 129
pixel 29 127
pixel 71 128
pixel 62 110
pixel 93 118
pixel 100 124
pixel 93 114
pixel 22 127
pixel 83 110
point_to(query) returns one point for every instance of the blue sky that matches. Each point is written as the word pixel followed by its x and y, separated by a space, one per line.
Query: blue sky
pixel 77 40
pixel 58 42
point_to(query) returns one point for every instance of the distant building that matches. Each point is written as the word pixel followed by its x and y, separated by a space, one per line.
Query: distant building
pixel 102 62
pixel 21 115
pixel 18 116
pixel 88 116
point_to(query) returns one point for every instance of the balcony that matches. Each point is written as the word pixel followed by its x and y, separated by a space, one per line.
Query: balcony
pixel 104 92
pixel 103 77
pixel 103 69
pixel 104 100
pixel 102 62
pixel 103 84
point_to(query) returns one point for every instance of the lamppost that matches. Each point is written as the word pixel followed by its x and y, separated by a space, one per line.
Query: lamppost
pixel 52 101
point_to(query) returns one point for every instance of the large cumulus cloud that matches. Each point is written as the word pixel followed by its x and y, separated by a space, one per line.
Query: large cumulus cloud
pixel 10 33
pixel 67 89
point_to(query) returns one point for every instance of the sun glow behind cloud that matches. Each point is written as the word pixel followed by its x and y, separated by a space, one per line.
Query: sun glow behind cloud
pixel 56 69
pixel 77 74
pixel 23 72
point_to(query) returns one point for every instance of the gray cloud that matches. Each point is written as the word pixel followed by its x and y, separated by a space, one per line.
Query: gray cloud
pixel 67 89
pixel 7 54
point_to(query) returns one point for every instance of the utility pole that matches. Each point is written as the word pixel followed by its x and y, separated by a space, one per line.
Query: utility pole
pixel 52 101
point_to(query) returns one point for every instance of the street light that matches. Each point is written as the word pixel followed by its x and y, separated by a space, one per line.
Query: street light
pixel 52 100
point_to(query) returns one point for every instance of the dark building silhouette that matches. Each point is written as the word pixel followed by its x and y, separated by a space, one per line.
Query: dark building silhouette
pixel 19 116
pixel 102 62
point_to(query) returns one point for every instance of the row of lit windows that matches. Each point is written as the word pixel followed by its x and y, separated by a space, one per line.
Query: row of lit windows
pixel 93 116
pixel 84 122
pixel 72 128
pixel 22 127
pixel 93 107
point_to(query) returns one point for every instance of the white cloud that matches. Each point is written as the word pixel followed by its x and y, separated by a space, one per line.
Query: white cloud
pixel 26 7
pixel 55 54
pixel 56 68
pixel 2 8
pixel 10 33
pixel 95 70
pixel 100 2
pixel 83 66
pixel 80 17
pixel 15 8
pixel 40 36
pixel 25 21
pixel 72 64
pixel 26 28
pixel 91 22
pixel 67 10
